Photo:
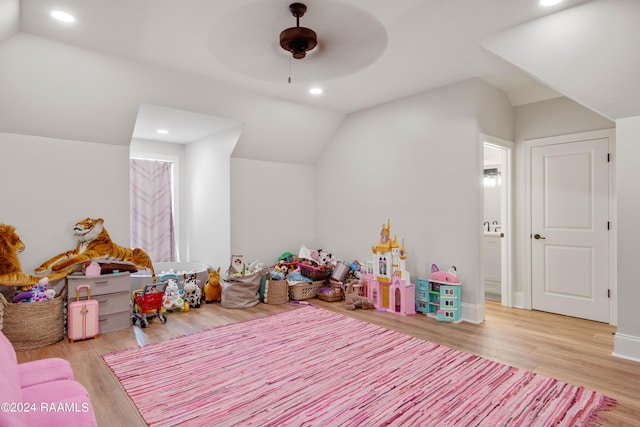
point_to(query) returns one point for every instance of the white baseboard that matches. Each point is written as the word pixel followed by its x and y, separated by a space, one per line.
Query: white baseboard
pixel 473 313
pixel 520 301
pixel 626 347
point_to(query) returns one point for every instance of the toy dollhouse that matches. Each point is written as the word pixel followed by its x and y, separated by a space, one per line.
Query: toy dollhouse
pixel 386 279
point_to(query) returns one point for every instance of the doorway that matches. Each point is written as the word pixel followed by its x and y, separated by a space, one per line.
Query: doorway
pixel 497 226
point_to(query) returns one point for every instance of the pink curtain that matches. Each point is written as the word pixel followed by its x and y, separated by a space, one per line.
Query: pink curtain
pixel 152 209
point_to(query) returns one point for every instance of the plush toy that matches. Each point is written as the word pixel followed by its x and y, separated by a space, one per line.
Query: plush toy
pixel 276 273
pixel 192 292
pixel 324 257
pixel 212 288
pixel 287 257
pixel 283 268
pixel 237 265
pixel 353 300
pixel 355 269
pixel 173 295
pixel 450 276
pixel 39 292
pixel 95 243
pixel 10 271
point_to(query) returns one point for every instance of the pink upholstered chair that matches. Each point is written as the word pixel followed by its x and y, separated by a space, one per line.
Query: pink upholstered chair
pixel 41 393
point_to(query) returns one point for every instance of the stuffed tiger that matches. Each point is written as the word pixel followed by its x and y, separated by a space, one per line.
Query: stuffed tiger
pixel 10 271
pixel 95 243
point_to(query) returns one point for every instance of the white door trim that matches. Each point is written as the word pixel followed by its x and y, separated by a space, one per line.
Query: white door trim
pixel 559 139
pixel 507 256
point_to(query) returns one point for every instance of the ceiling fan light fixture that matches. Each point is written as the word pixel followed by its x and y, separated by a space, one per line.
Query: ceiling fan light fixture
pixel 298 40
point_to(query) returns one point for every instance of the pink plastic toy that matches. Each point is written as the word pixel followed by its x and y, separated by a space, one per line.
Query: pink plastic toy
pixel 444 276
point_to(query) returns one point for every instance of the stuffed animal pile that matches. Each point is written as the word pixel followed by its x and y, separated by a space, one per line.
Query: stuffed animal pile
pixel 39 292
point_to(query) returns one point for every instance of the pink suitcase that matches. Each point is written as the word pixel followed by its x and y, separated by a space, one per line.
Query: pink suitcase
pixel 82 320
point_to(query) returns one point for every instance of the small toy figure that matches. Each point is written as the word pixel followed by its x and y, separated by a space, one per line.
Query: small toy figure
pixel 212 288
pixel 173 295
pixel 192 292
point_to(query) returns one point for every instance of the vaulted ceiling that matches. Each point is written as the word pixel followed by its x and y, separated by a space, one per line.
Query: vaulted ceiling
pixel 369 52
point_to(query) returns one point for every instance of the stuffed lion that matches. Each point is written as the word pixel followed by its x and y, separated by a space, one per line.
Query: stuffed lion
pixel 10 271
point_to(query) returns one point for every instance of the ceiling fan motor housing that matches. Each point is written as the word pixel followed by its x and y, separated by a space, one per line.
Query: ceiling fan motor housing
pixel 298 40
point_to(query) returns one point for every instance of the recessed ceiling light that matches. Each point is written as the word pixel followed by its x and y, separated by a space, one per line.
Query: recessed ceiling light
pixel 63 16
pixel 549 2
pixel 315 90
pixel 162 131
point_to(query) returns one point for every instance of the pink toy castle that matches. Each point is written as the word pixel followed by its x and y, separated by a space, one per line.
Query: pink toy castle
pixel 386 280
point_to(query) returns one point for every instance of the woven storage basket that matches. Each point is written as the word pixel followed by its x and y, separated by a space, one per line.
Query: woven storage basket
pixel 314 273
pixel 299 291
pixel 330 294
pixel 35 324
pixel 3 303
pixel 276 292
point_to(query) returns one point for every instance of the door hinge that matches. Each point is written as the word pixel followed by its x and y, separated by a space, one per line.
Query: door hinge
pixel 608 293
pixel 608 225
pixel 608 157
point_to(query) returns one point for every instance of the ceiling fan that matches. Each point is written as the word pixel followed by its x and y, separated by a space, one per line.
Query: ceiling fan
pixel 298 40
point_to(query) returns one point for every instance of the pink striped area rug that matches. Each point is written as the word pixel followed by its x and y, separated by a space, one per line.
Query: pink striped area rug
pixel 313 367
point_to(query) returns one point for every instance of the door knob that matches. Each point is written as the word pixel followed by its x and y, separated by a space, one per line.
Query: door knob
pixel 537 236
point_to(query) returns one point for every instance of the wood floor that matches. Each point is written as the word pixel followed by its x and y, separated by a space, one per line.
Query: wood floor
pixel 572 350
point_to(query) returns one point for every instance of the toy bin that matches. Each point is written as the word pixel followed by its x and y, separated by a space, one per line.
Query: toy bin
pixel 299 291
pixel 314 273
pixel 276 291
pixel 35 324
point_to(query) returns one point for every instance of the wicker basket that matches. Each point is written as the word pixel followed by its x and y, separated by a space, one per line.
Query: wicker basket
pixel 276 292
pixel 314 273
pixel 35 324
pixel 3 304
pixel 299 291
pixel 330 294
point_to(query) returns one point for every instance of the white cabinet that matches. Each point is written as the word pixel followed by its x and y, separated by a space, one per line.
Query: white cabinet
pixel 492 266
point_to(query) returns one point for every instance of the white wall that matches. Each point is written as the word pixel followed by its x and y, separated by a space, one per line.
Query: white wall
pixel 207 198
pixel 558 116
pixel 272 209
pixel 627 339
pixel 418 162
pixel 494 112
pixel 9 18
pixel 48 185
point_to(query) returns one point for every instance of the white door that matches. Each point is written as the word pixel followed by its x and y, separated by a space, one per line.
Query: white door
pixel 570 228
